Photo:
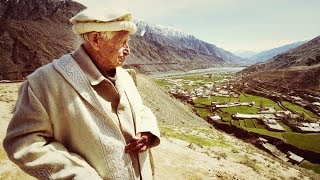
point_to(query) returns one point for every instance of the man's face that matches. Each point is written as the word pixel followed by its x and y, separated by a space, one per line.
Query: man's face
pixel 113 52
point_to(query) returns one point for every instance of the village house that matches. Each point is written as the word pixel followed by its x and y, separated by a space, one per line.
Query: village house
pixel 268 110
pixel 309 127
pixel 267 116
pixel 262 140
pixel 239 116
pixel 272 125
pixel 316 103
pixel 293 158
pixel 215 117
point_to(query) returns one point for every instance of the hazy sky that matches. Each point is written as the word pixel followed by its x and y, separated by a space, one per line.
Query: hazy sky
pixel 233 25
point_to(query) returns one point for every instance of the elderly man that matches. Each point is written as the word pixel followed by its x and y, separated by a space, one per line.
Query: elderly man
pixel 81 116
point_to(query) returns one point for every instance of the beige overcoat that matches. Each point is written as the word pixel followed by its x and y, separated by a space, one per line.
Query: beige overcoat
pixel 59 129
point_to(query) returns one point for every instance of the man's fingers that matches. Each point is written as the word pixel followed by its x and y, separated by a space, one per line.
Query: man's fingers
pixel 135 142
pixel 134 148
pixel 142 139
pixel 138 144
pixel 144 148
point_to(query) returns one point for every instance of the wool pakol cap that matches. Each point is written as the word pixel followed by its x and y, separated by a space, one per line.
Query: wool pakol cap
pixel 97 20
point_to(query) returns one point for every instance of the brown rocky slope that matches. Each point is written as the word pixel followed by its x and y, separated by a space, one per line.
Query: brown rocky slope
pixel 293 72
pixel 33 33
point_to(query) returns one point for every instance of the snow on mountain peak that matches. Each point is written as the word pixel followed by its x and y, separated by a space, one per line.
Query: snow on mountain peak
pixel 144 27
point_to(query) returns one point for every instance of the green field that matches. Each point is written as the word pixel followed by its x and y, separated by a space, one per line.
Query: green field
pixel 285 127
pixel 240 109
pixel 249 124
pixel 218 99
pixel 308 165
pixel 266 132
pixel 308 114
pixel 203 112
pixel 304 141
pixel 235 122
pixel 258 124
pixel 242 124
pixel 259 101
pixel 162 83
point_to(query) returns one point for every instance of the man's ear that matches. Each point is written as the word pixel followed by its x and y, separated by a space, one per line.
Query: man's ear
pixel 94 39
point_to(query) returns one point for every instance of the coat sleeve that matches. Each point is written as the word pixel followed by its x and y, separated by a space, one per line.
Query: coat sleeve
pixel 29 143
pixel 149 124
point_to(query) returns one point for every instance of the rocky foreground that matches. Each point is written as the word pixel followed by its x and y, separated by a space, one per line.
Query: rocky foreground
pixel 190 148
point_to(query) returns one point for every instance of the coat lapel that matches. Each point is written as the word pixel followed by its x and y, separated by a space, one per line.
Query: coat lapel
pixel 71 71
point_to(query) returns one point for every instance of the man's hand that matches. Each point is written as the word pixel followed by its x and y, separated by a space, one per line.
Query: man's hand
pixel 140 143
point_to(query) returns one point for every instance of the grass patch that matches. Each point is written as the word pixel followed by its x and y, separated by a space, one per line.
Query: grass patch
pixel 305 141
pixel 259 100
pixel 249 124
pixel 235 122
pixel 203 112
pixel 312 166
pixel 162 83
pixel 220 100
pixel 225 116
pixel 266 132
pixel 202 141
pixel 308 114
pixel 285 127
pixel 240 109
pixel 258 124
pixel 224 122
pixel 242 124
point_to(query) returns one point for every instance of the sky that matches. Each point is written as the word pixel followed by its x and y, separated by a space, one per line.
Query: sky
pixel 233 25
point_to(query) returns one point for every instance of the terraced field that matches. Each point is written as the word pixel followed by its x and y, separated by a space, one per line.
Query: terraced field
pixel 305 141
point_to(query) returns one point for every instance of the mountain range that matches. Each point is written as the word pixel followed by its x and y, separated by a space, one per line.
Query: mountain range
pixel 33 33
pixel 245 53
pixel 270 53
pixel 295 71
pixel 159 48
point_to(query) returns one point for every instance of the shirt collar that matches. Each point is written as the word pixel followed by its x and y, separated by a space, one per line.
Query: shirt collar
pixel 91 71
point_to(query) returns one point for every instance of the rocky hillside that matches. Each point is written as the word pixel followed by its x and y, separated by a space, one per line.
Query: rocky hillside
pixel 160 48
pixel 307 54
pixel 295 71
pixel 33 33
pixel 268 54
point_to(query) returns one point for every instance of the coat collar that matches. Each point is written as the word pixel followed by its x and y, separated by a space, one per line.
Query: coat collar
pixel 81 73
pixel 90 70
pixel 72 72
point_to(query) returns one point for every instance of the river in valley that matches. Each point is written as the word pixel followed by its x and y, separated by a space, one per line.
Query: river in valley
pixel 198 71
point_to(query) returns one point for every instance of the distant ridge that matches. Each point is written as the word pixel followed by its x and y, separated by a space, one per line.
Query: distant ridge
pixel 293 72
pixel 268 54
pixel 160 48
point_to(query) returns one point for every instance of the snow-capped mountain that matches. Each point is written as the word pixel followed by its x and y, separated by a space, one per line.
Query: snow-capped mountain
pixel 144 26
pixel 158 44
